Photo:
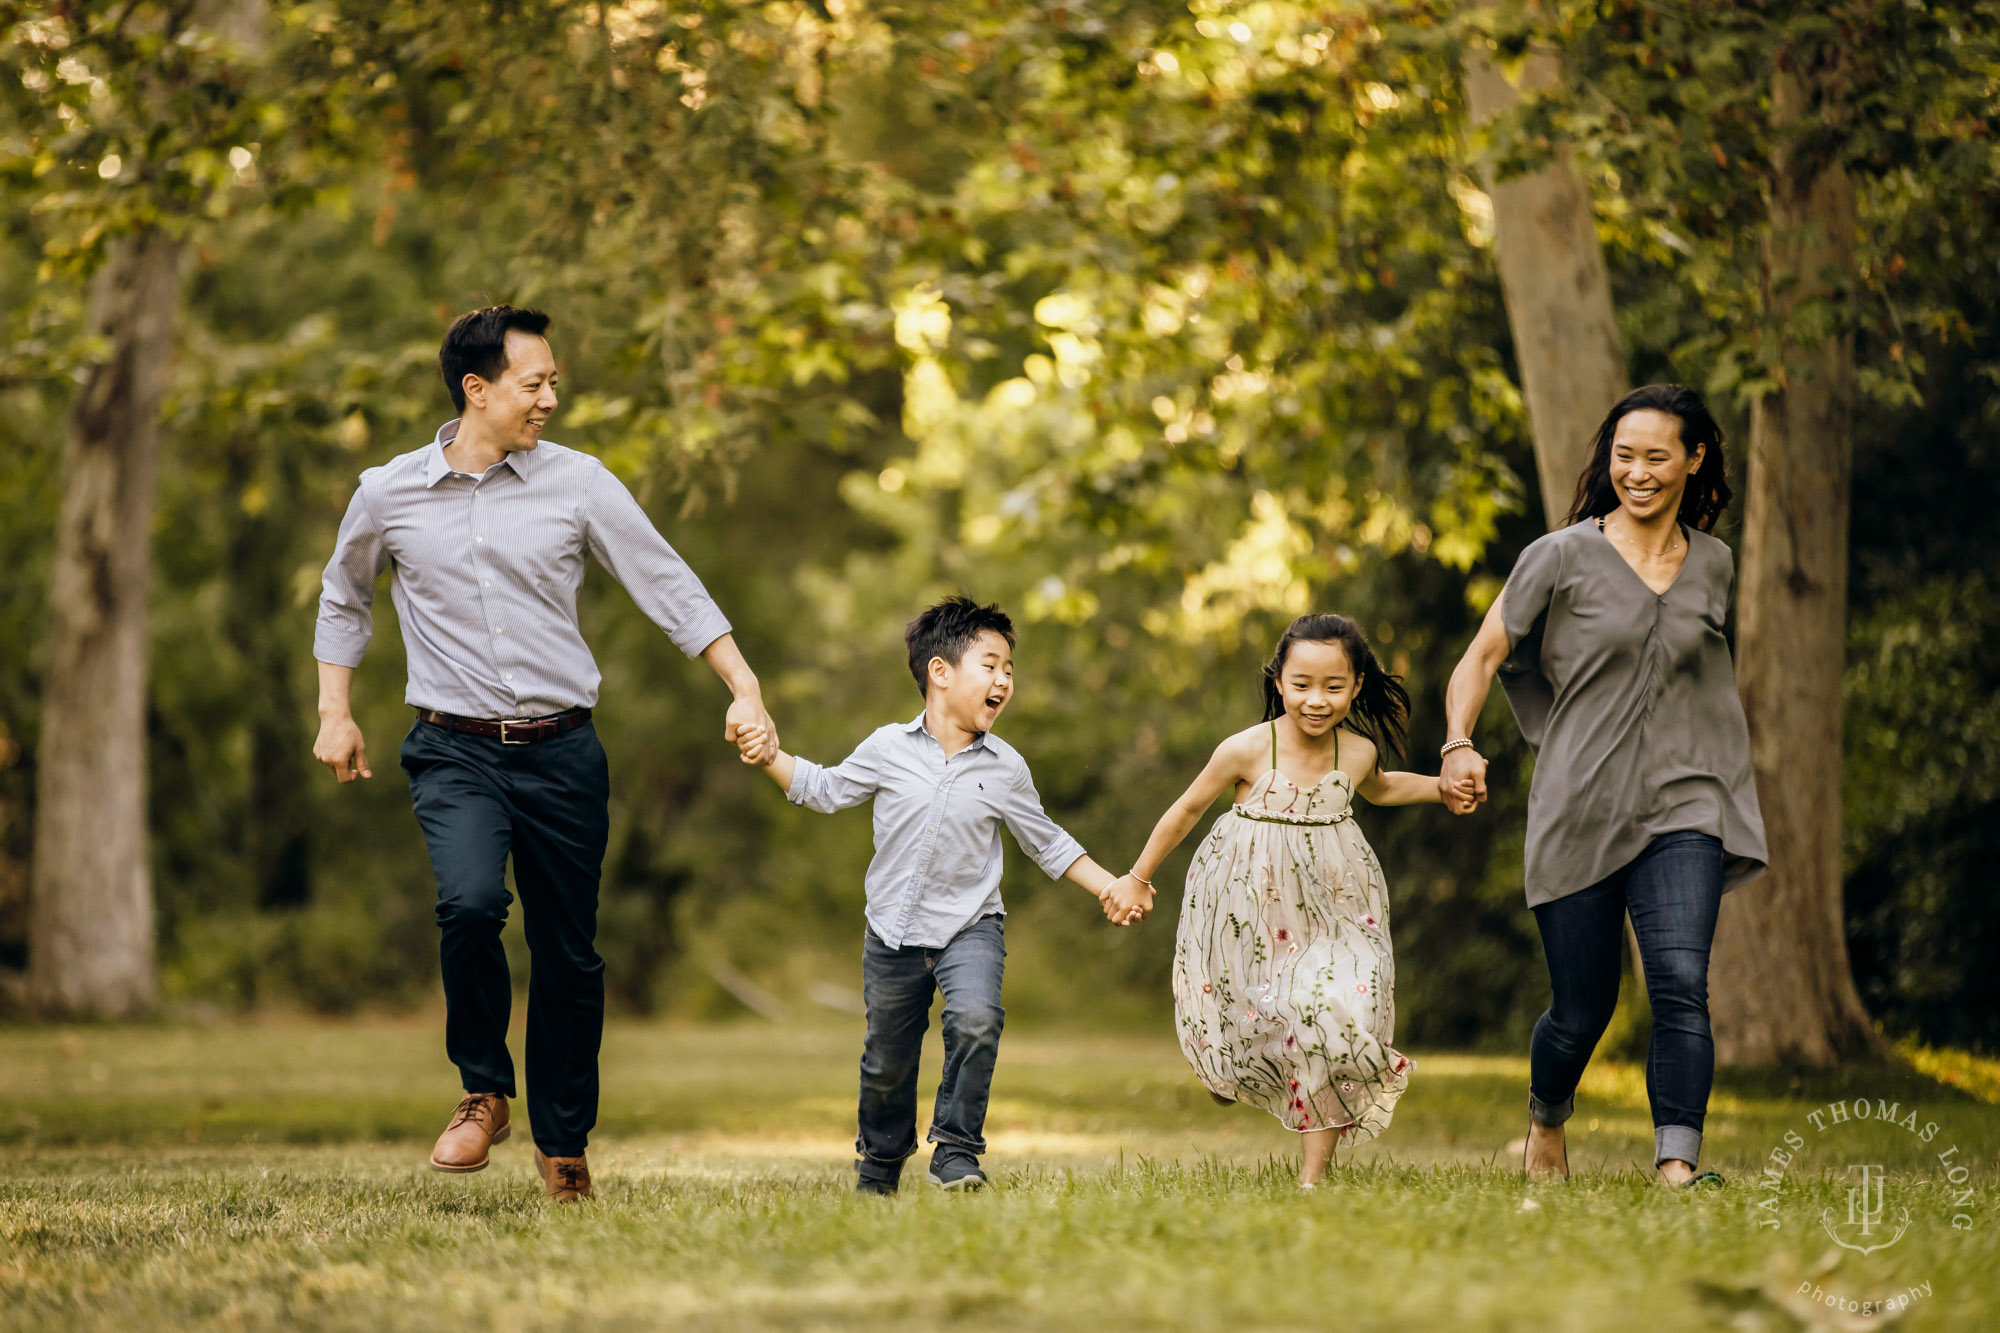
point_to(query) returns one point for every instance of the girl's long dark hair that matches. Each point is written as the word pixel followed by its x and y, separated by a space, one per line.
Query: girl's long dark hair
pixel 1381 708
pixel 1707 493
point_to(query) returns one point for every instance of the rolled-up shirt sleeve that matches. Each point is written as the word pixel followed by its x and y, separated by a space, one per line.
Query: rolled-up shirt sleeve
pixel 347 588
pixel 848 783
pixel 627 544
pixel 1046 842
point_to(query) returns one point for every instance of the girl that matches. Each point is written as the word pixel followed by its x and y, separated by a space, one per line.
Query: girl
pixel 1283 980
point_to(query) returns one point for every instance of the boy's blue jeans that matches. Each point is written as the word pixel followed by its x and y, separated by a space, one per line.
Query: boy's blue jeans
pixel 1672 890
pixel 897 986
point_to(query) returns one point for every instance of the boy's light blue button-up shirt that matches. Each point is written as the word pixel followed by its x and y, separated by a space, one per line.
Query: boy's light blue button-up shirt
pixel 485 570
pixel 937 827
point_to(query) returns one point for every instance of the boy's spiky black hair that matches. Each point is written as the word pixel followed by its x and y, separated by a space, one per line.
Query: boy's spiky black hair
pixel 947 630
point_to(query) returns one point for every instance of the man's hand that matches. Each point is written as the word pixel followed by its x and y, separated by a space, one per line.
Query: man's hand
pixel 750 729
pixel 726 660
pixel 1125 901
pixel 1462 780
pixel 340 748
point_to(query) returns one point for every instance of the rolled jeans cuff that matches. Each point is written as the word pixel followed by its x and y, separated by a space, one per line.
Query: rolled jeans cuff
pixel 1676 1143
pixel 974 1146
pixel 892 1163
pixel 1552 1114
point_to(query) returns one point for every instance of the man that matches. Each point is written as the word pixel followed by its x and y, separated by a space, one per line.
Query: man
pixel 484 532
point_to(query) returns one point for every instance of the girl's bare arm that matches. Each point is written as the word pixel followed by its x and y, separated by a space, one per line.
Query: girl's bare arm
pixel 1380 788
pixel 1226 767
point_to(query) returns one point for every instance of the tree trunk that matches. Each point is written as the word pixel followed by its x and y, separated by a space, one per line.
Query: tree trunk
pixel 90 932
pixel 1558 298
pixel 1781 986
pixel 1558 295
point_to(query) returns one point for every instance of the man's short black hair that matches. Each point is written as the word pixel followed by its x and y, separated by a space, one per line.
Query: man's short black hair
pixel 948 630
pixel 476 344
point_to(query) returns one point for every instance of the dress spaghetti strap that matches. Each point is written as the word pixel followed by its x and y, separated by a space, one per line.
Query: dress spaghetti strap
pixel 1274 747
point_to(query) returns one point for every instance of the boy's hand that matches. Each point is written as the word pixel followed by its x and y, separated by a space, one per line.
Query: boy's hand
pixel 1125 901
pixel 750 744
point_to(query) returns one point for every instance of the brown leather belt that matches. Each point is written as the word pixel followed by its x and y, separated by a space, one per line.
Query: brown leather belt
pixel 511 730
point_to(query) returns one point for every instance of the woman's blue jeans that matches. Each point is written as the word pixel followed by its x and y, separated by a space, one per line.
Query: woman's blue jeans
pixel 1672 890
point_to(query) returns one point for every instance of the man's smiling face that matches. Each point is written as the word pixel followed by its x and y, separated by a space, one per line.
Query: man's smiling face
pixel 975 689
pixel 517 403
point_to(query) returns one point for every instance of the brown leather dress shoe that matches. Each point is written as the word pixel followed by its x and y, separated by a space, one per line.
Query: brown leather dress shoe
pixel 567 1179
pixel 479 1122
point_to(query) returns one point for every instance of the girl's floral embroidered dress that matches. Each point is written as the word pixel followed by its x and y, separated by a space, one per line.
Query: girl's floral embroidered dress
pixel 1283 980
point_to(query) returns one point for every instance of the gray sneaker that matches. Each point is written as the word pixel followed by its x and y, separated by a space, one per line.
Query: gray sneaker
pixel 957 1173
pixel 876 1177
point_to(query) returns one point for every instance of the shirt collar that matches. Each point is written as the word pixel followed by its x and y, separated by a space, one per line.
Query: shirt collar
pixel 436 469
pixel 916 726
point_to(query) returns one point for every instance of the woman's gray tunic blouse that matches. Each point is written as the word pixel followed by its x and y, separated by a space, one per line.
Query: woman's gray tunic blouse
pixel 1628 698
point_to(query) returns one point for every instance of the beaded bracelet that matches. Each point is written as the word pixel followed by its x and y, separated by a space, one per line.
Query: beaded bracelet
pixel 1449 746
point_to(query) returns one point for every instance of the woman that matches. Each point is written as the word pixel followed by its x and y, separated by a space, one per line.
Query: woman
pixel 1608 640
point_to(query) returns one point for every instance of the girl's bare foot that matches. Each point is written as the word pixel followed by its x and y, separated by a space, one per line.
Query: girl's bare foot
pixel 1546 1156
pixel 1319 1151
pixel 1673 1171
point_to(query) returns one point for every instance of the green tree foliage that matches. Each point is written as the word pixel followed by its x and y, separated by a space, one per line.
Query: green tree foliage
pixel 1158 323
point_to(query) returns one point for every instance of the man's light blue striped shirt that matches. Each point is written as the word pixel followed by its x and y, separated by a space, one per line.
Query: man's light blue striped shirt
pixel 937 827
pixel 484 573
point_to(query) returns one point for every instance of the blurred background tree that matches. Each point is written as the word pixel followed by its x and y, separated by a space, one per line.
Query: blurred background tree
pixel 1158 323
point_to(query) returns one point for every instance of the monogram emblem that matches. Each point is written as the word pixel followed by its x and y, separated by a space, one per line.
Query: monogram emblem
pixel 1867 1209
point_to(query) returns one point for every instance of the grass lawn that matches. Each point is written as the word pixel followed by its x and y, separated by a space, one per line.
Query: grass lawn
pixel 272 1176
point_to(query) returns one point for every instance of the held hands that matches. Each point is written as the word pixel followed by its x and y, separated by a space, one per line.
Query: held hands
pixel 1462 780
pixel 1125 900
pixel 750 729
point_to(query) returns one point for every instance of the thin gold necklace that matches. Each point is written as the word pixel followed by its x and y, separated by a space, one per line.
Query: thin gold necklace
pixel 1657 555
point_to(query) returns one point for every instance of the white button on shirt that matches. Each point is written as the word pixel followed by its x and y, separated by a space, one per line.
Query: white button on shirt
pixel 553 508
pixel 937 827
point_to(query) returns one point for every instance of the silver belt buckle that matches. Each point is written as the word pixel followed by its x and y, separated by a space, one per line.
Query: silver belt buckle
pixel 507 722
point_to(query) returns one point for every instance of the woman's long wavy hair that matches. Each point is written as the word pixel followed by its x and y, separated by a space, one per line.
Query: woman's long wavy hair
pixel 1381 708
pixel 1707 493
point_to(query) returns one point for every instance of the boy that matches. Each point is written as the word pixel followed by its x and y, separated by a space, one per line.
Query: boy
pixel 943 785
